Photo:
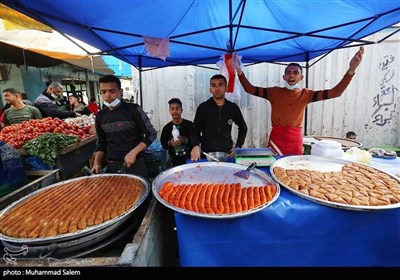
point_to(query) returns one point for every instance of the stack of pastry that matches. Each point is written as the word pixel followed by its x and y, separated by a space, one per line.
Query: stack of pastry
pixel 355 184
pixel 72 206
pixel 217 198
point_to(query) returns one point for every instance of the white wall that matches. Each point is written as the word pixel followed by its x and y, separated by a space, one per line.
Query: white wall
pixel 370 106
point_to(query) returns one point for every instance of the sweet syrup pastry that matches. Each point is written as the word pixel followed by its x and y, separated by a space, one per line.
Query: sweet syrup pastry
pixel 70 207
pixel 217 198
pixel 356 184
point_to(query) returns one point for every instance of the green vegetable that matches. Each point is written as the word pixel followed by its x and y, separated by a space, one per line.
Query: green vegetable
pixel 47 147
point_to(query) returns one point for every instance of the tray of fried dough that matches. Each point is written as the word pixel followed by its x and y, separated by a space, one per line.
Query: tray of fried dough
pixel 338 183
pixel 72 208
pixel 211 190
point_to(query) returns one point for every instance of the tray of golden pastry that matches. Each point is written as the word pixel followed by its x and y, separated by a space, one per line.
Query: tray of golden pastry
pixel 210 190
pixel 72 209
pixel 338 183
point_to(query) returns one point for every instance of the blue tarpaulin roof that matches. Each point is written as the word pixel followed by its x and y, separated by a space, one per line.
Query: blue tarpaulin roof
pixel 120 68
pixel 200 31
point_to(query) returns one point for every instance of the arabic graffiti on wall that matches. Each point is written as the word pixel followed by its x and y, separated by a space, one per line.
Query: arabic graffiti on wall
pixel 384 104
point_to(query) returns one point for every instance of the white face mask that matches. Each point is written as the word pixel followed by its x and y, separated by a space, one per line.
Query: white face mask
pixel 113 104
pixel 54 96
pixel 295 86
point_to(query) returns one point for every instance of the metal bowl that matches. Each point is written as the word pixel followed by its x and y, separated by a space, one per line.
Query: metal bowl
pixel 220 156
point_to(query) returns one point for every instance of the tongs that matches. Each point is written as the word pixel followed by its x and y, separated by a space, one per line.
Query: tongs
pixel 87 171
pixel 210 156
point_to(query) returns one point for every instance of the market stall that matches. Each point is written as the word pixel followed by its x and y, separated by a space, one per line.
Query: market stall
pixel 292 231
pixel 52 143
pixel 74 157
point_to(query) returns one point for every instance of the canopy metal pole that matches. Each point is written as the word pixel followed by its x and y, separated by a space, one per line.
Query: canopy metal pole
pixel 140 81
pixel 230 43
pixel 307 72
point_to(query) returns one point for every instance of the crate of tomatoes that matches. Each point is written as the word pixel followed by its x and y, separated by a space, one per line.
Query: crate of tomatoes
pixel 18 134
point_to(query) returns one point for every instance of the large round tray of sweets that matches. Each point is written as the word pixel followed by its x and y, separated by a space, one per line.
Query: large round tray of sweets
pixel 338 183
pixel 202 174
pixel 84 205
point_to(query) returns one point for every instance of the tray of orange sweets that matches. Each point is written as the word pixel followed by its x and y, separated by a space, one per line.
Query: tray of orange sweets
pixel 210 190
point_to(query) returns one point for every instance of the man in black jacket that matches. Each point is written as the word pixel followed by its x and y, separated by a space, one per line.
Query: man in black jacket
pixel 213 121
pixel 46 102
pixel 124 131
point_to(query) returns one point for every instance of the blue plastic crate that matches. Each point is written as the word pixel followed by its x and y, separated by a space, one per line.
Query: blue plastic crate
pixel 156 162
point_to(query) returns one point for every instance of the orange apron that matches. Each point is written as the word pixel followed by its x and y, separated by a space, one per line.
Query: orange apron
pixel 286 140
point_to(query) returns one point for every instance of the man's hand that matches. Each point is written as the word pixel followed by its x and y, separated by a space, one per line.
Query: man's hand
pixel 195 153
pixel 174 143
pixel 96 168
pixel 130 158
pixel 181 140
pixel 236 64
pixel 355 61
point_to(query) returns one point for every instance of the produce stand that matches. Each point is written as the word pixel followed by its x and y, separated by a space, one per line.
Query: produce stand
pixel 73 157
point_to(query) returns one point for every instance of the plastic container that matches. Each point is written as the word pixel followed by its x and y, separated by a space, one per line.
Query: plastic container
pixel 355 154
pixel 327 148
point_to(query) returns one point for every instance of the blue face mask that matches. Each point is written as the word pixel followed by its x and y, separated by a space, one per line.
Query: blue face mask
pixel 113 104
pixel 295 86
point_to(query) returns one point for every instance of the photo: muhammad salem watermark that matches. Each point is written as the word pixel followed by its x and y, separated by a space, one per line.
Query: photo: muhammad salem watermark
pixel 35 271
pixel 10 257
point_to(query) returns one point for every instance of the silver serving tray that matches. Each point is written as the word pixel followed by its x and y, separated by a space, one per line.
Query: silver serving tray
pixel 346 143
pixel 79 233
pixel 310 162
pixel 212 172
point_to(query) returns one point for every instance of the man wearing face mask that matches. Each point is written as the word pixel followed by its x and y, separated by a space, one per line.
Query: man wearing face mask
pixel 288 103
pixel 47 103
pixel 124 132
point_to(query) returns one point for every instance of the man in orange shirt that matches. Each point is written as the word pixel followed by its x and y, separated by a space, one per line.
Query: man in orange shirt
pixel 288 103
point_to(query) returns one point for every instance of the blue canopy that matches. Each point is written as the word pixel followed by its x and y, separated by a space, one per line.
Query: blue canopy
pixel 200 31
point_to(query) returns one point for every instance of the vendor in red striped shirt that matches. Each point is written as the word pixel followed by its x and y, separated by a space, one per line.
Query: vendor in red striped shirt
pixel 288 103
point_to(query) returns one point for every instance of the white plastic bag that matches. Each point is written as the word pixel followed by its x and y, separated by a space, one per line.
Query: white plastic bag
pixel 235 94
pixel 175 133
